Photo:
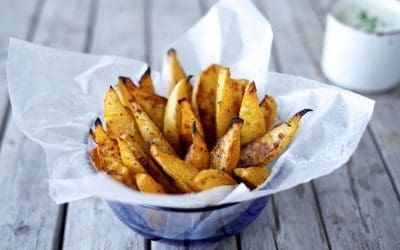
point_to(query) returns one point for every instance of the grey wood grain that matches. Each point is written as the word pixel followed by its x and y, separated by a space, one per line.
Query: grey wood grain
pixel 169 20
pixel 33 220
pixel 13 24
pixel 118 30
pixel 350 213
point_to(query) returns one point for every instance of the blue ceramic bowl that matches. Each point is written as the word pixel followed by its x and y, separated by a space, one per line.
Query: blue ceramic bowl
pixel 189 226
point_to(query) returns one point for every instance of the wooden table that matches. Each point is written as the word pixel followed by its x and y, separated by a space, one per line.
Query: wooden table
pixel 357 206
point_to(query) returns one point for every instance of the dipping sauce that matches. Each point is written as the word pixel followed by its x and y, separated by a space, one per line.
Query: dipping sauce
pixel 368 16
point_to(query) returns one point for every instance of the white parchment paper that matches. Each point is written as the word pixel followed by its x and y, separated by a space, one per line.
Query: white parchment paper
pixel 56 96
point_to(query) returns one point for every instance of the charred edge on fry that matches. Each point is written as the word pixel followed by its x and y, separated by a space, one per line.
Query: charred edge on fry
pixel 184 99
pixel 233 121
pixel 189 78
pixel 194 128
pixel 171 52
pixel 126 80
pixel 148 71
pixel 303 112
pixel 98 122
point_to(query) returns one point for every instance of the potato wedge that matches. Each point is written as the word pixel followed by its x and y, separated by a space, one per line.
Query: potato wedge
pixel 181 172
pixel 146 83
pixel 187 119
pixel 118 120
pixel 198 154
pixel 149 130
pixel 154 105
pixel 94 156
pixel 268 107
pixel 146 183
pixel 227 101
pixel 241 82
pixel 252 176
pixel 210 178
pixel 176 72
pixel 225 154
pixel 254 125
pixel 272 143
pixel 128 158
pixel 173 116
pixel 203 100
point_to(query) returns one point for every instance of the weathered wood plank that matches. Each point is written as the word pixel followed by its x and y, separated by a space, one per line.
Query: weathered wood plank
pixel 13 24
pixel 33 220
pixel 169 20
pixel 348 210
pixel 119 30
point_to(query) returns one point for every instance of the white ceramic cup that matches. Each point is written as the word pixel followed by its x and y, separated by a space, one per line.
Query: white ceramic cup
pixel 359 60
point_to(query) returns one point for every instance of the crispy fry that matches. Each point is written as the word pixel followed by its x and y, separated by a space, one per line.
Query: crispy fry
pixel 149 130
pixel 187 120
pixel 210 178
pixel 128 158
pixel 146 183
pixel 252 176
pixel 146 83
pixel 198 154
pixel 173 114
pixel 227 101
pixel 225 154
pixel 254 125
pixel 268 107
pixel 154 105
pixel 176 72
pixel 272 143
pixel 94 156
pixel 203 100
pixel 181 172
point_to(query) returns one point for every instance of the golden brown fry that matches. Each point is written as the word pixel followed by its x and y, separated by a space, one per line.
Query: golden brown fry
pixel 227 101
pixel 128 158
pixel 203 100
pixel 154 105
pixel 173 114
pixel 210 178
pixel 252 176
pixel 187 120
pixel 137 150
pixel 94 156
pixel 154 170
pixel 254 125
pixel 268 106
pixel 181 172
pixel 118 120
pixel 225 154
pixel 146 83
pixel 198 154
pixel 241 82
pixel 272 143
pixel 176 72
pixel 146 183
pixel 149 130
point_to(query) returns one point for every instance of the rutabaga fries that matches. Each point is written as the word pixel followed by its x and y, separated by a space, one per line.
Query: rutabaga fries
pixel 128 158
pixel 210 178
pixel 149 130
pixel 198 154
pixel 225 154
pixel 181 172
pixel 154 105
pixel 176 72
pixel 146 183
pixel 187 119
pixel 268 107
pixel 203 100
pixel 146 83
pixel 118 120
pixel 271 144
pixel 227 101
pixel 137 150
pixel 252 176
pixel 173 116
pixel 254 125
pixel 94 156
